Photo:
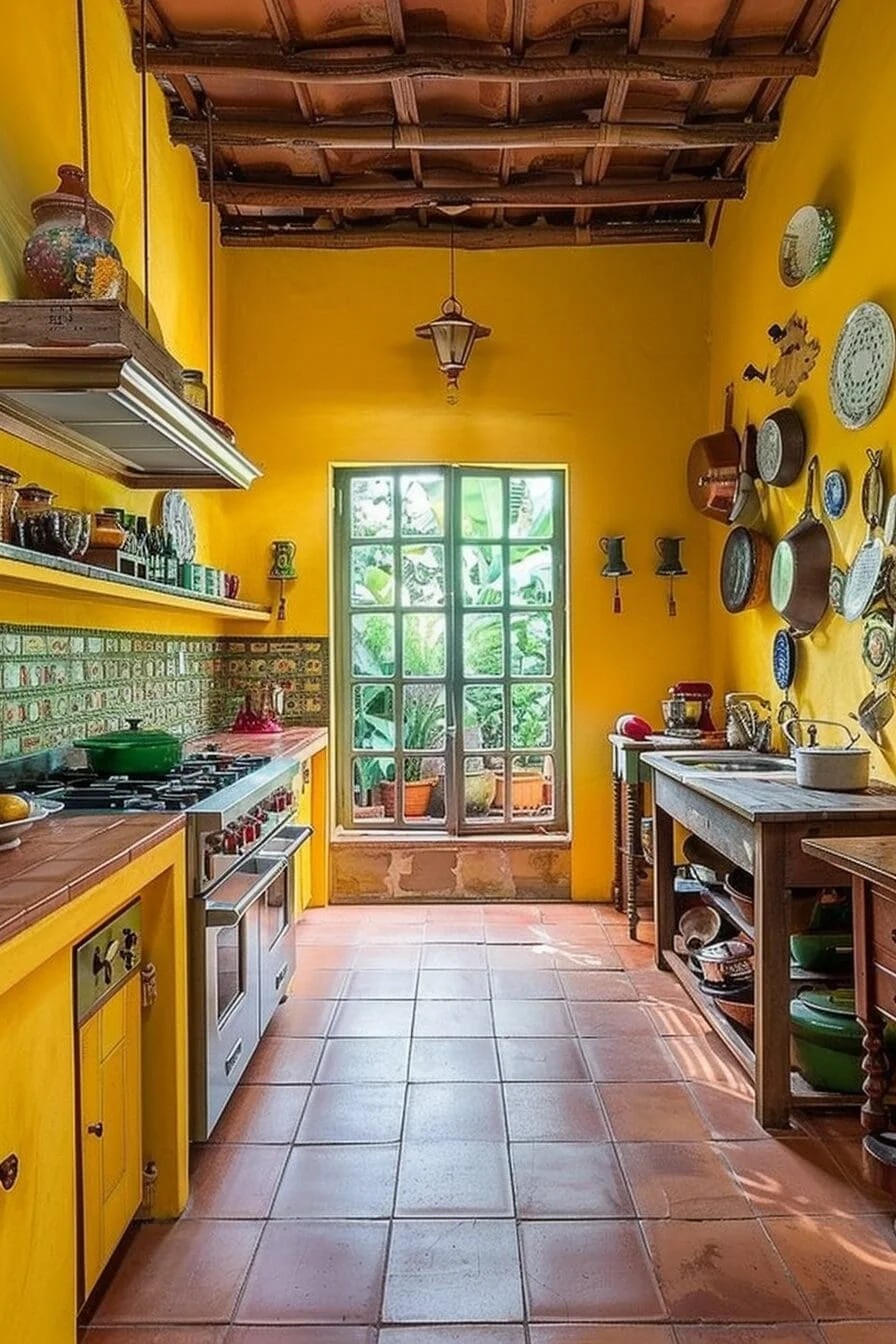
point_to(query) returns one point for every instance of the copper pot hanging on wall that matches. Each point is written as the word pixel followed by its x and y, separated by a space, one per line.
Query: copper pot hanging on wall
pixel 70 254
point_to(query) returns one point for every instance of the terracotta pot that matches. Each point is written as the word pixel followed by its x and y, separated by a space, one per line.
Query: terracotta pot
pixel 417 793
pixel 526 791
pixel 108 533
pixel 70 254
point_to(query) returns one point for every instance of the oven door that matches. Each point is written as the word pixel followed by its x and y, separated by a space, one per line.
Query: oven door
pixel 225 1030
pixel 277 917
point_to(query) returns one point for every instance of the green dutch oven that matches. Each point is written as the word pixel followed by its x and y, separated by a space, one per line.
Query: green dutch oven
pixel 826 1039
pixel 131 752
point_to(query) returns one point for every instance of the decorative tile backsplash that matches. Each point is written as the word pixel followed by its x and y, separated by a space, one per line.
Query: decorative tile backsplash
pixel 57 684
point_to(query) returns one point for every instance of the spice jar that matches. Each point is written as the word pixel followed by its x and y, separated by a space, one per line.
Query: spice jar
pixel 193 388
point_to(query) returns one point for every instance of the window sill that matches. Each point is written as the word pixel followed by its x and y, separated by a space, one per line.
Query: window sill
pixel 409 839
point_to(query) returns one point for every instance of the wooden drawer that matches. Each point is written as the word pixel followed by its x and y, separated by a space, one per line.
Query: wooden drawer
pixel 883 990
pixel 882 914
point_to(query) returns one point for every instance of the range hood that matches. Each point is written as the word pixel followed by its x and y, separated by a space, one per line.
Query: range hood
pixel 101 406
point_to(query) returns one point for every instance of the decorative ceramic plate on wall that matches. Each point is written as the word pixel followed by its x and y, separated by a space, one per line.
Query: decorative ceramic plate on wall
pixel 178 524
pixel 807 244
pixel 784 659
pixel 862 367
pixel 835 494
pixel 879 645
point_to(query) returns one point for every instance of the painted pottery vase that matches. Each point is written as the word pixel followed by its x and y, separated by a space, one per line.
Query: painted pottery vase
pixel 70 254
pixel 283 561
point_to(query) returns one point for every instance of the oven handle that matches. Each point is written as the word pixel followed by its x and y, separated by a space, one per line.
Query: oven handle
pixel 222 914
pixel 304 833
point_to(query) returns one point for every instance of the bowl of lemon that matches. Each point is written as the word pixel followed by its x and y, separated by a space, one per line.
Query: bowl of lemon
pixel 18 814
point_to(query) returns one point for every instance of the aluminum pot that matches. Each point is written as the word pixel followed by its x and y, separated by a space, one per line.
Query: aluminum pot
pixel 132 752
pixel 838 769
pixel 726 963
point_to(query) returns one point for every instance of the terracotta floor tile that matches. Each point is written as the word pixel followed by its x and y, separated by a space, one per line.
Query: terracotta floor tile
pixel 312 1272
pixel 453 1059
pixel 175 1334
pixel 519 957
pixel 261 1113
pixel 393 935
pixel 656 986
pixel 352 1060
pixel 300 1334
pixel 320 984
pixel 338 1180
pixel 284 1059
pixel 453 1334
pixel 323 957
pixel 466 1017
pixel 234 1180
pixel 438 1111
pixel 569 1180
pixel 353 1113
pixel 576 912
pixel 588 1271
pixel 721 1271
pixel 661 1111
pixel 598 986
pixel 381 985
pixel 553 1112
pixel 302 1017
pixel 681 1180
pixel 597 1018
pixel 186 1272
pixel 532 1017
pixel 728 1114
pixel 541 1059
pixel 457 984
pixel 850 1157
pixel 462 931
pixel 373 1017
pixel 454 1178
pixel 517 931
pixel 453 1270
pixel 704 1059
pixel 601 1334
pixel 845 1267
pixel 454 957
pixel 629 1059
pixel 634 956
pixel 794 1176
pixel 538 984
pixel 749 1334
pixel 858 1332
pixel 620 936
pixel 573 954
pixel 676 1019
pixel 388 956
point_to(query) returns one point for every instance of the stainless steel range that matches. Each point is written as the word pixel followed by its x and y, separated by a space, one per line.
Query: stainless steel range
pixel 241 848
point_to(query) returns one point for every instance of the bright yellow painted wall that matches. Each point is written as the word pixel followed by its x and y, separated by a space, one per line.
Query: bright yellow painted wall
pixel 598 360
pixel 838 148
pixel 38 131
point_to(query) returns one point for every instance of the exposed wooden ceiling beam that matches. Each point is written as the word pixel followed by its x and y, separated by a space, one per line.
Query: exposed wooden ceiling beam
pixel 264 61
pixel 527 196
pixel 594 235
pixel 278 21
pixel 396 24
pixel 635 24
pixel 490 136
pixel 518 27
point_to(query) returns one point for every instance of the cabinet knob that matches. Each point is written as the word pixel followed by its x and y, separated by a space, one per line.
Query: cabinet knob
pixel 9 1171
pixel 96 1130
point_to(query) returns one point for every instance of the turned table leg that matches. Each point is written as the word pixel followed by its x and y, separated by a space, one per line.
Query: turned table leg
pixel 876 1068
pixel 663 881
pixel 631 825
pixel 616 890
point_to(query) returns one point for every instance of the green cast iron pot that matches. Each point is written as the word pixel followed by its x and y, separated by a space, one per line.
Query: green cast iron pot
pixel 131 752
pixel 826 1040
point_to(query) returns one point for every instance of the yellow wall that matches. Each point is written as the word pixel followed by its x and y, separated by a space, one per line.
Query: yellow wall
pixel 39 129
pixel 838 148
pixel 597 360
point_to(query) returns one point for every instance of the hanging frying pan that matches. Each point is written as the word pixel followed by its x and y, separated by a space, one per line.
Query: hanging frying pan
pixel 714 467
pixel 746 560
pixel 781 447
pixel 801 567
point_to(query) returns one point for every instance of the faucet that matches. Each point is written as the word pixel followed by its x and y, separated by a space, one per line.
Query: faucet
pixel 745 728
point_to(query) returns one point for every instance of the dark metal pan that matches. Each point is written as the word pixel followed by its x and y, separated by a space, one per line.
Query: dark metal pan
pixel 801 567
pixel 781 447
pixel 746 560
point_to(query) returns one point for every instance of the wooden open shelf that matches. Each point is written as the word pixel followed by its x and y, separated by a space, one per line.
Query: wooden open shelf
pixel 30 571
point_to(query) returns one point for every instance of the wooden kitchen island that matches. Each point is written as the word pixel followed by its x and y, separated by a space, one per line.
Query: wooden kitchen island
pixel 759 823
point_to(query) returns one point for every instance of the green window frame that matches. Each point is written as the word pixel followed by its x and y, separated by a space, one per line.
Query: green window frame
pixel 450 658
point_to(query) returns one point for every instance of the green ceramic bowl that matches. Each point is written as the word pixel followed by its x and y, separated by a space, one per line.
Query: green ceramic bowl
pixel 828 952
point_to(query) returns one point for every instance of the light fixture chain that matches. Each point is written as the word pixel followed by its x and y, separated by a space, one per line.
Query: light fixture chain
pixel 82 102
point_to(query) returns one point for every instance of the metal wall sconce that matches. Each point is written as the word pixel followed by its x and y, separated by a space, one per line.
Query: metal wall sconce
pixel 283 570
pixel 670 566
pixel 615 567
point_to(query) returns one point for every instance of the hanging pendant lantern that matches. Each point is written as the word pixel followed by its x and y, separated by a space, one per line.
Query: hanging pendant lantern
pixel 452 333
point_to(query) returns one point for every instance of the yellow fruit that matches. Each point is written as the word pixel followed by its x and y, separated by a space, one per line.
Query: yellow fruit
pixel 13 808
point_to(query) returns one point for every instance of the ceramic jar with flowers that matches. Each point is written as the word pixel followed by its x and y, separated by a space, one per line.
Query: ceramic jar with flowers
pixel 70 254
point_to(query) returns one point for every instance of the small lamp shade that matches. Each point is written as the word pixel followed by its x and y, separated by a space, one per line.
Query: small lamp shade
pixel 453 336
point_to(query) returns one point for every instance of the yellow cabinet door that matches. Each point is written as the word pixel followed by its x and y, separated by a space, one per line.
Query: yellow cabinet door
pixel 37 1105
pixel 110 1127
pixel 303 858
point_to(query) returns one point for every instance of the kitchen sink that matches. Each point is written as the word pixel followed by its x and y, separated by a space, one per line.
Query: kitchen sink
pixel 734 763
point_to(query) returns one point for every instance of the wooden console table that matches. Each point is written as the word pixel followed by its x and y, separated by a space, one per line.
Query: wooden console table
pixel 871 863
pixel 759 824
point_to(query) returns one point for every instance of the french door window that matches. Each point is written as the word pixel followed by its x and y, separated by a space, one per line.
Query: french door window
pixel 450 649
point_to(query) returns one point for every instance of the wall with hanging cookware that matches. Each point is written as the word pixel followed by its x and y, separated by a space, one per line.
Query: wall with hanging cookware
pixel 837 149
pixel 597 360
pixel 39 130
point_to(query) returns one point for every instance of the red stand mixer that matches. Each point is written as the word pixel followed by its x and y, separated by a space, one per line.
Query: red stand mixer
pixel 695 690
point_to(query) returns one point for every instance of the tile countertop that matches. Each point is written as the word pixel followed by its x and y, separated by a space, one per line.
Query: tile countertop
pixel 66 855
pixel 298 742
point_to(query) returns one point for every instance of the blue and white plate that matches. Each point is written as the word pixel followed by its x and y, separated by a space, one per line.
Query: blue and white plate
pixel 784 659
pixel 835 494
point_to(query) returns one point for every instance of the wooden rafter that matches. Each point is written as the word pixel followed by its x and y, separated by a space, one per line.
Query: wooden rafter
pixel 526 196
pixel 593 235
pixel 489 135
pixel 264 61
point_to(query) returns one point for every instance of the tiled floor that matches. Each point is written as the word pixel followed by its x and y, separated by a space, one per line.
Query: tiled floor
pixel 501 1125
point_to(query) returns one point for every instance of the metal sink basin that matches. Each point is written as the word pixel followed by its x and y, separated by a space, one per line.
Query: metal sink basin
pixel 735 763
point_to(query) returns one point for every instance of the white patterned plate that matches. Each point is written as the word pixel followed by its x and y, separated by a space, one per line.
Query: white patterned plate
pixel 807 244
pixel 177 523
pixel 862 367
